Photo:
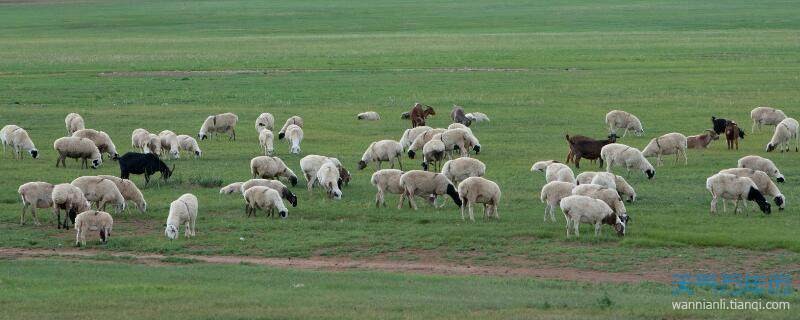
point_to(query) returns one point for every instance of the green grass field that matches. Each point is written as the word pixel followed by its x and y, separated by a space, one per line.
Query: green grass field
pixel 538 69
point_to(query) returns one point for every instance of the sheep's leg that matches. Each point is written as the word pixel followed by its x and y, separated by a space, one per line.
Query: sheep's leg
pixel 624 132
pixel 471 215
pixel 400 162
pixel 193 220
pixel 724 207
pixel 714 203
pixel 494 211
pixel 569 224
pixel 552 213
pixel 22 215
pixel 402 197
pixel 310 183
pixel 685 158
pixel 597 229
pixel 233 134
pixel 187 231
pixel 576 224
pixel 546 209
pixel 462 210
pixel 78 237
pixel 411 195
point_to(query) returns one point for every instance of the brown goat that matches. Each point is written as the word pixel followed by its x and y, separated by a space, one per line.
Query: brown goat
pixel 585 147
pixel 418 115
pixel 701 141
pixel 732 133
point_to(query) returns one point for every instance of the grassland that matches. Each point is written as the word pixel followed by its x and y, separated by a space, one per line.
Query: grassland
pixel 539 69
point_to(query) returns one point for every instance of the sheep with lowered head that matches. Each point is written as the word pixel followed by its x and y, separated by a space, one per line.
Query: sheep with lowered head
pixel 763 164
pixel 266 199
pixel 618 119
pixel 609 196
pixel 265 121
pixel 267 167
pixel 221 123
pixel 129 191
pixel 101 191
pixel 732 187
pixel 380 151
pixel 235 187
pixel 462 139
pixel 369 115
pixel 552 193
pixel 35 195
pixel 77 148
pixel 411 134
pixel 310 164
pixel 421 139
pixel 293 120
pixel 169 143
pixel 265 140
pixel 461 168
pixel 766 116
pixel 554 171
pixel 182 211
pixel 606 179
pixel 189 144
pixel 457 125
pixel 386 180
pixel 282 189
pixel 582 209
pixel 19 140
pixel 477 117
pixel 74 123
pixel 93 220
pixel 670 143
pixel 785 131
pixel 617 154
pixel 294 135
pixel 623 187
pixel 763 183
pixel 101 139
pixel 432 153
pixel 328 177
pixel 479 190
pixel 70 199
pixel 424 183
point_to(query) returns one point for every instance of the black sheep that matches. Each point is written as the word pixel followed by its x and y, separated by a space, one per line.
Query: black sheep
pixel 143 163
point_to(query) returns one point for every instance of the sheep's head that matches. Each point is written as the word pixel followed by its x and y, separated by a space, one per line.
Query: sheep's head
pixel 780 201
pixel 363 164
pixel 96 163
pixel 283 214
pixel 142 206
pixel 293 180
pixel 171 232
pixel 289 196
pixel 619 227
pixel 281 135
pixel 34 153
pixel 779 177
pixel 770 147
pixel 451 191
pixel 650 173
pixel 411 154
pixel 612 138
pixel 477 148
pixel 202 136
pixel 758 197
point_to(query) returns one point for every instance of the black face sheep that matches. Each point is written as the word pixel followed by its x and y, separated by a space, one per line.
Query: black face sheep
pixel 266 199
pixel 77 148
pixel 100 139
pixel 19 140
pixel 380 151
pixel 617 154
pixel 763 164
pixel 458 116
pixel 421 139
pixel 479 190
pixel 265 121
pixel 282 189
pixel 585 147
pixel 461 139
pixel 424 183
pixel 409 135
pixel 785 131
pixel 618 119
pixel 766 116
pixel 293 120
pixel 267 167
pixel 35 195
pixel 70 199
pixel 140 163
pixel 763 183
pixel 93 221
pixel 731 187
pixel 182 211
pixel 582 209
pixel 189 144
pixel 432 153
pixel 221 123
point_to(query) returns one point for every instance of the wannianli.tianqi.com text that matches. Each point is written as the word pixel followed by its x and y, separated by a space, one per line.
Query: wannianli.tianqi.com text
pixel 731 304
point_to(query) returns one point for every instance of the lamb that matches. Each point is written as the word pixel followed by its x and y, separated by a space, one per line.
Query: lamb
pixel 462 139
pixel 129 191
pixel 670 143
pixel 101 191
pixel 554 171
pixel 282 189
pixel 74 123
pixel 582 209
pixel 424 183
pixel 19 140
pixel 421 139
pixel 623 188
pixel 221 123
pixel 585 147
pixel 293 120
pixel 552 193
pixel 267 167
pixel 311 164
pixel 609 196
pixel 182 211
pixel 477 117
pixel 295 136
pixel 265 138
pixel 763 164
pixel 763 183
pixel 35 195
pixel 100 139
pixel 369 115
pixel 380 151
pixel 169 143
pixel 617 154
pixel 701 141
pixel 784 132
pixel 411 134
pixel 386 180
pixel 328 177
pixel 235 187
pixel 606 179
pixel 617 119
pixel 189 144
pixel 265 121
pixel 140 163
pixel 93 221
pixel 70 199
pixel 766 116
pixel 432 153
pixel 458 116
pixel 77 148
pixel 731 187
pixel 457 170
pixel 266 199
pixel 479 190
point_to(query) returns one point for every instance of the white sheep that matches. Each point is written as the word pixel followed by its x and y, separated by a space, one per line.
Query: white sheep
pixel 670 143
pixel 411 134
pixel 266 199
pixel 608 195
pixel 129 191
pixel 265 140
pixel 265 121
pixel 19 140
pixel 293 120
pixel 386 180
pixel 432 153
pixel 328 177
pixel 766 116
pixel 421 139
pixel 461 168
pixel 554 171
pixel 153 144
pixel 618 119
pixel 731 187
pixel 552 193
pixel 221 123
pixel 424 183
pixel 235 187
pixel 169 143
pixel 139 139
pixel 463 139
pixel 617 154
pixel 282 189
pixel 101 191
pixel 763 183
pixel 77 148
pixel 93 221
pixel 380 151
pixel 477 117
pixel 310 164
pixel 74 123
pixel 267 167
pixel 294 135
pixel 606 179
pixel 456 125
pixel 582 209
pixel 763 164
pixel 4 135
pixel 70 199
pixel 623 188
pixel 785 131
pixel 35 195
pixel 369 115
pixel 479 190
pixel 182 211
pixel 101 139
pixel 189 144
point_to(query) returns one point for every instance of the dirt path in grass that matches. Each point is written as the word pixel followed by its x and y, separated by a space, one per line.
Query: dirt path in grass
pixel 341 264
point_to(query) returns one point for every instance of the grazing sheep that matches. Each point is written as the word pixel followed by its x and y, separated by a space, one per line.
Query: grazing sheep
pixel 617 154
pixel 731 187
pixel 386 180
pixel 541 166
pixel 266 199
pixel 461 168
pixel 766 116
pixel 143 140
pixel 93 221
pixel 479 190
pixel 763 164
pixel 189 144
pixel 310 164
pixel 582 209
pixel 154 144
pixel 77 148
pixel 462 140
pixel 101 191
pixel 140 163
pixel 265 138
pixel 421 139
pixel 432 153
pixel 100 139
pixel 458 116
pixel 221 123
pixel 70 199
pixel 609 196
pixel 424 183
pixel 554 171
pixel 459 126
pixel 74 123
pixel 265 121
pixel 418 114
pixel 784 132
pixel 293 120
pixel 169 143
pixel 18 139
pixel 267 167
pixel 409 135
pixel 623 188
pixel 129 191
pixel 294 136
pixel 606 179
pixel 380 151
pixel 763 183
pixel 235 187
pixel 618 119
pixel 732 134
pixel 282 189
pixel 701 141
pixel 585 147
pixel 328 177
pixel 552 193
pixel 182 211
pixel 35 195
pixel 369 115
pixel 477 117
pixel 670 143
